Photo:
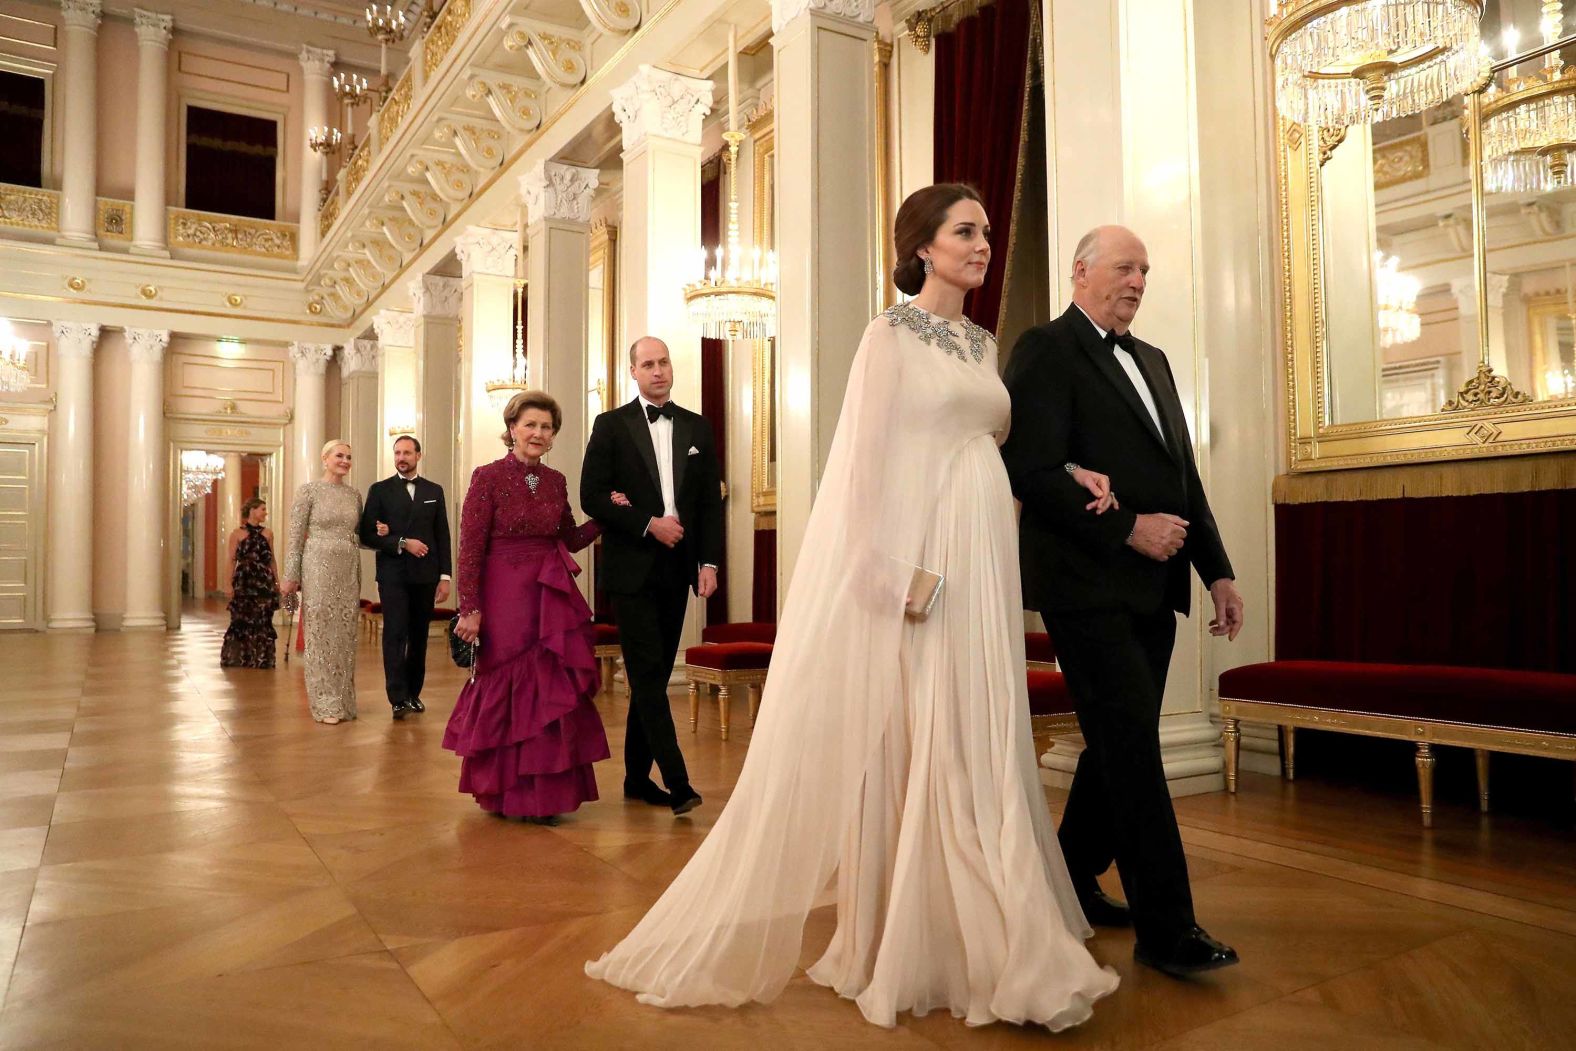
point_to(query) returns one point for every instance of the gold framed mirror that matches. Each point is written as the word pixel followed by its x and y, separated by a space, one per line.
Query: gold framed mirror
pixel 763 399
pixel 605 373
pixel 1412 267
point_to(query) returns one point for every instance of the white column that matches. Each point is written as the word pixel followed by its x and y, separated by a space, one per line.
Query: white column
pixel 153 61
pixel 661 114
pixel 230 495
pixel 827 243
pixel 435 303
pixel 557 201
pixel 79 160
pixel 487 263
pixel 147 480
pixel 69 594
pixel 316 63
pixel 311 362
pixel 399 397
pixel 359 416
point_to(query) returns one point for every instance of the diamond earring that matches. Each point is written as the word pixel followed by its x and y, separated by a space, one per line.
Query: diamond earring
pixel 929 268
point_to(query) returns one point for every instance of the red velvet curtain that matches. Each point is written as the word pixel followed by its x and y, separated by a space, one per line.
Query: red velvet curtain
pixel 21 129
pixel 763 599
pixel 982 83
pixel 231 163
pixel 1485 581
pixel 714 368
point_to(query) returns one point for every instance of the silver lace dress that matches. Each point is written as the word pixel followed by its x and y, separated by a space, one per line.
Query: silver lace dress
pixel 324 557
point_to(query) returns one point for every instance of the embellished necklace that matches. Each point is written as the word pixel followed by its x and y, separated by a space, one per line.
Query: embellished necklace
pixel 935 331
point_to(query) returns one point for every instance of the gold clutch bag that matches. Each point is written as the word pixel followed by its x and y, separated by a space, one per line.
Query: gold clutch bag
pixel 924 588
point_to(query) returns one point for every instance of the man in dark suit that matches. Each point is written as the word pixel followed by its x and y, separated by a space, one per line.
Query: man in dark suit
pixel 406 522
pixel 665 543
pixel 1085 392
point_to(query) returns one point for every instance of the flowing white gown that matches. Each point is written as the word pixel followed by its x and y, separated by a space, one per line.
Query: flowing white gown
pixel 893 753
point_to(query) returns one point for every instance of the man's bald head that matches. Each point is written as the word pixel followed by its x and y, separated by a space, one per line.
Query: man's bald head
pixel 1110 273
pixel 650 366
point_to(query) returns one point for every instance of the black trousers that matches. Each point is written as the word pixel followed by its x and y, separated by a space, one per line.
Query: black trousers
pixel 650 622
pixel 407 610
pixel 1118 808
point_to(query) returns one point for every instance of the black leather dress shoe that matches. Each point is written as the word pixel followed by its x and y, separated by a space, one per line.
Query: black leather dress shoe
pixel 683 804
pixel 1193 953
pixel 1102 910
pixel 401 710
pixel 415 705
pixel 647 793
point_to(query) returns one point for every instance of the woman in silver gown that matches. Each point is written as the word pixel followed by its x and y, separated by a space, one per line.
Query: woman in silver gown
pixel 323 563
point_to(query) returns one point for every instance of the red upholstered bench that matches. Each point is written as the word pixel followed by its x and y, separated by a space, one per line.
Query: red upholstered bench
pixel 1038 651
pixel 607 652
pixel 726 665
pixel 1485 709
pixel 372 616
pixel 751 631
pixel 1050 707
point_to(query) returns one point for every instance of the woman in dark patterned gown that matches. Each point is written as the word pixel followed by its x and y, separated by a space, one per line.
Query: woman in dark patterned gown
pixel 524 725
pixel 254 592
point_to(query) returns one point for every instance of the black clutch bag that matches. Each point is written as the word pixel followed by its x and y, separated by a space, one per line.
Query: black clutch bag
pixel 461 652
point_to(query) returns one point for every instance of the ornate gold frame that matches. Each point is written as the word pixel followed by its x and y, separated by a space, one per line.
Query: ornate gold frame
pixel 1314 444
pixel 763 399
pixel 1539 309
pixel 604 253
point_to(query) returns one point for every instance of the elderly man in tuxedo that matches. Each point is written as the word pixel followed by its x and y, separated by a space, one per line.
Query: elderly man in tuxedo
pixel 666 542
pixel 1086 392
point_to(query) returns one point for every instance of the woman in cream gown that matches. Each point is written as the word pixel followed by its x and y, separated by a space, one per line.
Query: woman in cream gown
pixel 892 751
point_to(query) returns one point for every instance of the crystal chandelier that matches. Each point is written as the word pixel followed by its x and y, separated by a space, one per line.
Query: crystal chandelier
pixel 199 471
pixel 1341 62
pixel 13 359
pixel 1397 297
pixel 500 390
pixel 1529 126
pixel 737 297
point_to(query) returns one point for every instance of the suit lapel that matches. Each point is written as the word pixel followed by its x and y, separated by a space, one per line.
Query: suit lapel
pixel 1104 360
pixel 640 432
pixel 681 445
pixel 1166 401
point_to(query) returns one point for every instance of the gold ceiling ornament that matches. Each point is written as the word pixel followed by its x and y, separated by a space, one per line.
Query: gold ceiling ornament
pixel 76 284
pixel 148 291
pixel 1342 62
pixel 1486 391
pixel 1529 126
pixel 737 297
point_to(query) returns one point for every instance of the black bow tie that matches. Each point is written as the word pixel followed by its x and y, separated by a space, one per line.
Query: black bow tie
pixel 653 411
pixel 1125 341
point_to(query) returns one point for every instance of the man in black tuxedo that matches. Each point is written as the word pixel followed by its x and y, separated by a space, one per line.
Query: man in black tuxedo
pixel 406 522
pixel 1085 392
pixel 667 541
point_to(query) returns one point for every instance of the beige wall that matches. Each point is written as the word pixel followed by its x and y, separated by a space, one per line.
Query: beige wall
pixel 111 418
pixel 117 109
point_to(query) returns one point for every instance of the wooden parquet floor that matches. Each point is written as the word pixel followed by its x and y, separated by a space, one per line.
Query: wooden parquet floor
pixel 187 861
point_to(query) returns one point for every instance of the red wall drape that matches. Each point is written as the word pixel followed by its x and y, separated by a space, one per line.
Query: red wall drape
pixel 212 552
pixel 714 374
pixel 982 80
pixel 763 597
pixel 1487 581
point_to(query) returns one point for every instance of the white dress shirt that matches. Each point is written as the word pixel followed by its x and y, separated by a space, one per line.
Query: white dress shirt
pixel 1130 366
pixel 662 439
pixel 410 489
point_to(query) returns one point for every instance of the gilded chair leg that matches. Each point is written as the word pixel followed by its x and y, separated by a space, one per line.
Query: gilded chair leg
pixel 1482 777
pixel 754 695
pixel 723 701
pixel 1425 781
pixel 694 694
pixel 1232 736
pixel 606 664
pixel 1288 736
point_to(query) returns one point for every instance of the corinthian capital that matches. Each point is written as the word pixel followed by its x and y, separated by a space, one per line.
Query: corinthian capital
pixel 147 344
pixel 317 61
pixel 153 29
pixel 785 11
pixel 657 102
pixel 358 356
pixel 395 328
pixel 81 14
pixel 558 191
pixel 432 295
pixel 75 339
pixel 485 250
pixel 311 359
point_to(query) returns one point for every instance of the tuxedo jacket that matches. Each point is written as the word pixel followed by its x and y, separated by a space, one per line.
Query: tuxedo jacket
pixel 621 457
pixel 1073 403
pixel 426 518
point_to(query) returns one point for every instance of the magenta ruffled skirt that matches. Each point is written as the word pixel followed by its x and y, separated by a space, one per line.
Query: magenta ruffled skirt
pixel 525 727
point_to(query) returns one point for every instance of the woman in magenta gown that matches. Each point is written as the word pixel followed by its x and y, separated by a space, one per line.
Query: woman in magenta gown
pixel 525 726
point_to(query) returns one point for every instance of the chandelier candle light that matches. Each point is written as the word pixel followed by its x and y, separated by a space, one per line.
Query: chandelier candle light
pixel 199 471
pixel 351 90
pixel 1397 296
pixel 387 26
pixel 500 391
pixel 737 297
pixel 13 359
pixel 1529 127
pixel 1343 62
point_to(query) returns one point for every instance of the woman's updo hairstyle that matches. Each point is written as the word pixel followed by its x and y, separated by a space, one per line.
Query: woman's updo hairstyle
pixel 917 222
pixel 251 505
pixel 529 399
